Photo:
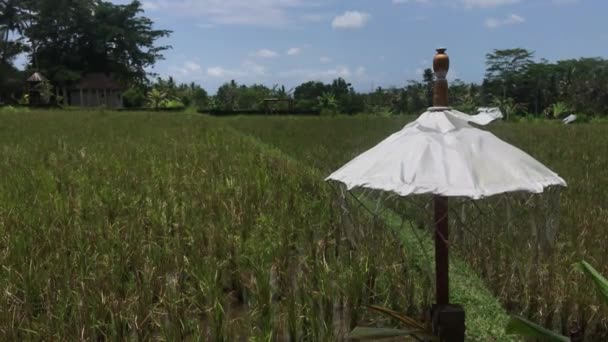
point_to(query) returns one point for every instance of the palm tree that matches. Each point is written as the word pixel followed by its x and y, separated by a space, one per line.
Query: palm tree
pixel 328 103
pixel 13 18
pixel 507 105
pixel 156 98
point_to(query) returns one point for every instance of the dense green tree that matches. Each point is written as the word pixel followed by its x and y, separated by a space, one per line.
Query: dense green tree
pixel 70 38
pixel 415 97
pixel 504 70
pixel 13 20
pixel 306 95
pixel 378 102
pixel 352 103
pixel 193 95
pixel 463 96
pixel 536 87
pixel 252 97
pixel 428 79
pixel 14 17
pixel 400 102
pixel 583 84
pixel 134 97
pixel 227 96
pixel 340 88
pixel 541 85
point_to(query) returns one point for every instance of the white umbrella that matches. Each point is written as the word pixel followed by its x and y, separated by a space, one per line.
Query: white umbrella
pixel 441 154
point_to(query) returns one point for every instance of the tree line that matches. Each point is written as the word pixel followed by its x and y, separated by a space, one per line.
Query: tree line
pixel 513 81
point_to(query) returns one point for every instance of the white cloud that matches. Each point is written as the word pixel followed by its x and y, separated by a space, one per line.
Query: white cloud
pixel 265 13
pixel 252 68
pixel 315 17
pixel 316 74
pixel 187 69
pixel 325 60
pixel 325 75
pixel 488 3
pixel 207 26
pixel 411 1
pixel 217 71
pixel 192 66
pixel 350 20
pixel 360 71
pixel 294 51
pixel 247 69
pixel 149 6
pixel 264 53
pixel 512 19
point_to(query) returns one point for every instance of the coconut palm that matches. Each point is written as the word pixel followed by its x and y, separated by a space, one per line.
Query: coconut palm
pixel 328 103
pixel 156 98
pixel 558 109
pixel 507 105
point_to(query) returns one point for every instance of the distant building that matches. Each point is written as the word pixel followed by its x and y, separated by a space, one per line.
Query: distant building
pixel 96 90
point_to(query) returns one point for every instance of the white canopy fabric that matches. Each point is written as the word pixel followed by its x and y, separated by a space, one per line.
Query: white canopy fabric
pixel 569 119
pixel 484 117
pixel 494 112
pixel 441 154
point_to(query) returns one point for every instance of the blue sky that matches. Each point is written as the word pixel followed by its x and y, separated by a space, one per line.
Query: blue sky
pixel 368 42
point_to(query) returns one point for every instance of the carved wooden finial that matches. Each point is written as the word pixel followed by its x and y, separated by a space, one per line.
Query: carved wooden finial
pixel 441 66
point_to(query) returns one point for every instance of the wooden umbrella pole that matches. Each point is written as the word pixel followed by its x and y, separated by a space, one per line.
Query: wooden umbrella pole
pixel 441 251
pixel 448 319
pixel 441 66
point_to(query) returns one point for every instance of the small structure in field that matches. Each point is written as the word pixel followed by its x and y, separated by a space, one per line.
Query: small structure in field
pixel 96 90
pixel 34 89
pixel 270 104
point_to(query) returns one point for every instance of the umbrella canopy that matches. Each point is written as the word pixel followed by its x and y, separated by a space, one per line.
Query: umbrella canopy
pixel 491 111
pixel 441 154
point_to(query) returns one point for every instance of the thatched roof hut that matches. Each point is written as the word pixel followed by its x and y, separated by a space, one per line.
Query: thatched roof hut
pixel 36 78
pixel 95 90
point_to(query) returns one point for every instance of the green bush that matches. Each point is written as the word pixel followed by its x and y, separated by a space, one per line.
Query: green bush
pixel 134 97
pixel 172 104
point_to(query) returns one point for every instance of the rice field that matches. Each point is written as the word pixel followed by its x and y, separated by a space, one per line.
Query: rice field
pixel 150 226
pixel 177 227
pixel 506 244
